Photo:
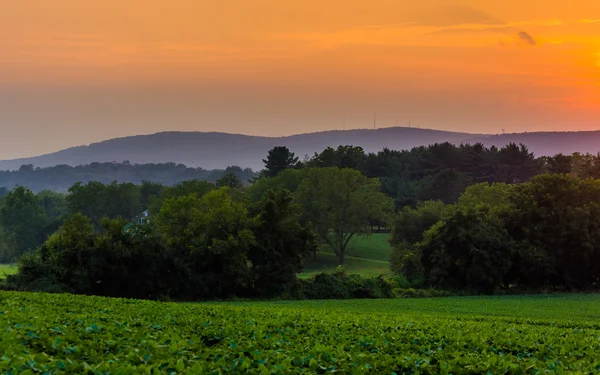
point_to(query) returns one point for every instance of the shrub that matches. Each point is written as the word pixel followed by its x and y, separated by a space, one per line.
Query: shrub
pixel 339 285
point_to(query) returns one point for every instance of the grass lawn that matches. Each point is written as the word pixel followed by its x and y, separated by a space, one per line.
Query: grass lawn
pixel 7 269
pixel 375 247
pixel 367 256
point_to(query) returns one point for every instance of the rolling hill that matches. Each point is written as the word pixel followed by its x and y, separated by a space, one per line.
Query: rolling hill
pixel 219 150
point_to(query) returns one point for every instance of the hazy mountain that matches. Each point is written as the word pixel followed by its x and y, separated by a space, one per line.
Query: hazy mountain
pixel 219 150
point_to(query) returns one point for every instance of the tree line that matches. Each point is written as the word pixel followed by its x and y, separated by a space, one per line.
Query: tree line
pixel 61 177
pixel 543 234
pixel 454 213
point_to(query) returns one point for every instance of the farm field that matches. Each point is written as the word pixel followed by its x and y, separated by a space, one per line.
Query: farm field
pixel 63 334
pixel 7 269
pixel 367 256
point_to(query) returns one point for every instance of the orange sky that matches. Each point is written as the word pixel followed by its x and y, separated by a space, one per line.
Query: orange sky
pixel 74 71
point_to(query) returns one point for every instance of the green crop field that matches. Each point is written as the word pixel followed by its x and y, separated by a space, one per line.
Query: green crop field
pixel 367 256
pixel 7 269
pixel 63 334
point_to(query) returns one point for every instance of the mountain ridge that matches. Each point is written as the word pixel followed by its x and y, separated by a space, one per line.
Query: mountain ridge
pixel 217 150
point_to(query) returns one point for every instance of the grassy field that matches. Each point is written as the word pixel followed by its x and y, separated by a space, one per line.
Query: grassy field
pixel 63 334
pixel 7 269
pixel 368 256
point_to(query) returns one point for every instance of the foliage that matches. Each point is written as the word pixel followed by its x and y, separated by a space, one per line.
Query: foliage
pixel 339 285
pixel 409 226
pixel 229 180
pixel 211 236
pixel 23 221
pixel 289 179
pixel 96 201
pixel 557 224
pixel 60 178
pixel 279 159
pixel 532 236
pixel 410 223
pixel 340 204
pixel 342 157
pixel 64 334
pixel 198 247
pixel 494 195
pixel 469 250
pixel 282 244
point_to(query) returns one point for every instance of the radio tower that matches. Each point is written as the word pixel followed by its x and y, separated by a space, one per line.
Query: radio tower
pixel 374 121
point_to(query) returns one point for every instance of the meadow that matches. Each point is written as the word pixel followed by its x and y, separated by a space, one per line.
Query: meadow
pixel 65 334
pixel 7 269
pixel 366 256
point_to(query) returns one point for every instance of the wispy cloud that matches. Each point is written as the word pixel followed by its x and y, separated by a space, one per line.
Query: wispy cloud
pixel 524 36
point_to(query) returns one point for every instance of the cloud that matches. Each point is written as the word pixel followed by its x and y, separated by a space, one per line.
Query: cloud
pixel 455 16
pixel 472 30
pixel 526 38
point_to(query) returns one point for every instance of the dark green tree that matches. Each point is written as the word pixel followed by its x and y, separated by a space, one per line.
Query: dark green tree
pixel 282 244
pixel 23 219
pixel 340 204
pixel 279 159
pixel 229 180
pixel 469 250
pixel 343 157
pixel 211 237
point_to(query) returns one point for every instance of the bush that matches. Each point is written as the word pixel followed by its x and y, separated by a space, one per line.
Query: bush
pixel 339 285
pixel 401 281
pixel 421 293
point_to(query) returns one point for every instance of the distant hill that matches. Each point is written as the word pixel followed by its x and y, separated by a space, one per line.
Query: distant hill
pixel 220 150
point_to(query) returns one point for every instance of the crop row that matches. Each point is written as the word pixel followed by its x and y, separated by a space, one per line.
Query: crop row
pixel 64 334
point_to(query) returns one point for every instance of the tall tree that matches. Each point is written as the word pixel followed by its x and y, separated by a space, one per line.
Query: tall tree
pixel 340 204
pixel 211 235
pixel 23 219
pixel 279 159
pixel 282 244
pixel 229 180
pixel 343 157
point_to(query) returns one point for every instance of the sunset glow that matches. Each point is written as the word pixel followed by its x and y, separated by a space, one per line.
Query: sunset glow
pixel 100 69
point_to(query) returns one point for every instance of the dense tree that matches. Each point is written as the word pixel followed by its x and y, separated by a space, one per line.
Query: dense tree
pixel 341 203
pixel 494 195
pixel 211 235
pixel 8 251
pixel 23 219
pixel 560 164
pixel 469 250
pixel 446 185
pixel 279 159
pixel 289 179
pixel 540 234
pixel 408 228
pixel 96 201
pixel 229 180
pixel 282 244
pixel 77 259
pixel 342 157
pixel 558 224
pixel 149 191
pixel 410 223
pixel 60 178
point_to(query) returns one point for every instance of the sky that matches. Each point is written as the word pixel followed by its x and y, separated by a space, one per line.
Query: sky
pixel 74 72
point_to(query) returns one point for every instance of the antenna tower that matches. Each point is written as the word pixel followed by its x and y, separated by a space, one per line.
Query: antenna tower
pixel 374 120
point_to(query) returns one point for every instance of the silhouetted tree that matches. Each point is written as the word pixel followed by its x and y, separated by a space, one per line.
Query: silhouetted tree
pixel 279 159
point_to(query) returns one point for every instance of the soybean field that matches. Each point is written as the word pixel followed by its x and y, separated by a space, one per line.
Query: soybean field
pixel 65 334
